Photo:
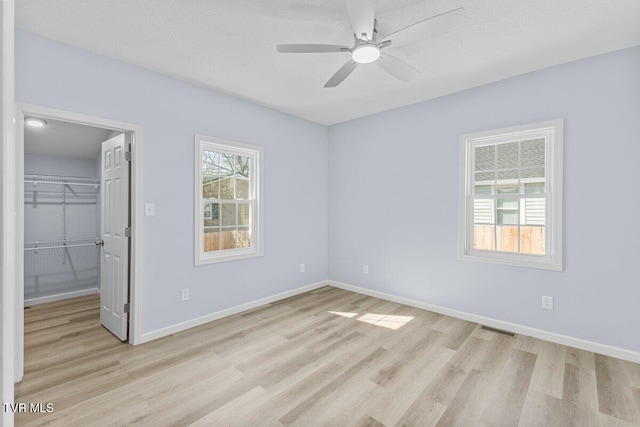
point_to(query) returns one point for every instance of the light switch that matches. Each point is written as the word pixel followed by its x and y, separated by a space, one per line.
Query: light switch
pixel 149 209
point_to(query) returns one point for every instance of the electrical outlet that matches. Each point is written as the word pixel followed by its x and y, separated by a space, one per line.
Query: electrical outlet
pixel 301 268
pixel 547 303
pixel 184 295
pixel 365 269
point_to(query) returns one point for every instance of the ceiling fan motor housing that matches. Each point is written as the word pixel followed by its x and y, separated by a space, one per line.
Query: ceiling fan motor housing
pixel 365 51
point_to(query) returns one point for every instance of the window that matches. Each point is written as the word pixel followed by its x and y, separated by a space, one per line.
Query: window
pixel 511 196
pixel 227 200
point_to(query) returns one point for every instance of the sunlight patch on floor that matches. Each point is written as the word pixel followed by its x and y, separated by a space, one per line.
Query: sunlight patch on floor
pixel 344 314
pixel 389 321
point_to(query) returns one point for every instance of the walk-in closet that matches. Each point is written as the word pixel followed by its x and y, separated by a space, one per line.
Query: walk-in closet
pixel 62 197
pixel 61 257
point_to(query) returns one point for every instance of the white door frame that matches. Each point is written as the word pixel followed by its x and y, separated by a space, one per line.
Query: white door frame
pixel 7 209
pixel 136 206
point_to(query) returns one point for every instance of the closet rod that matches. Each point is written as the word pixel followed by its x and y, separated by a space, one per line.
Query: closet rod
pixel 60 246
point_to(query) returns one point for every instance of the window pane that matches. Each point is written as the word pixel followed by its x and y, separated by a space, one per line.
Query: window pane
pixel 228 238
pixel 210 188
pixel 485 158
pixel 211 214
pixel 532 240
pixel 483 237
pixel 508 188
pixel 210 172
pixel 508 181
pixel 507 217
pixel 242 188
pixel 210 164
pixel 483 211
pixel 211 239
pixel 534 188
pixel 509 204
pixel 482 189
pixel 508 155
pixel 243 237
pixel 486 178
pixel 226 164
pixel 507 212
pixel 229 211
pixel 534 211
pixel 507 238
pixel 532 153
pixel 510 176
pixel 242 166
pixel 532 173
pixel 226 188
pixel 244 213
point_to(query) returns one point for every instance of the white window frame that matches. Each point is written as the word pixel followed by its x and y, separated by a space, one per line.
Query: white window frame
pixel 255 153
pixel 553 132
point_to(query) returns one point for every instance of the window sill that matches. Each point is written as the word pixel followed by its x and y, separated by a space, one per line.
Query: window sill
pixel 515 260
pixel 234 256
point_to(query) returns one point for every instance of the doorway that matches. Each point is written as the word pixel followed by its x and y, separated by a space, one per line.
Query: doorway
pixel 80 219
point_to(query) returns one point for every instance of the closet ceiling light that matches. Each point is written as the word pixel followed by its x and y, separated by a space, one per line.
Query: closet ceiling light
pixel 34 122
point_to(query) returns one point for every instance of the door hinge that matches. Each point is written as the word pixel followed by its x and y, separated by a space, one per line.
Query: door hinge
pixel 127 307
pixel 127 232
pixel 127 154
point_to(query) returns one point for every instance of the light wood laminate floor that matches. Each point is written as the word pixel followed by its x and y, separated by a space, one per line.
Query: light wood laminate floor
pixel 327 357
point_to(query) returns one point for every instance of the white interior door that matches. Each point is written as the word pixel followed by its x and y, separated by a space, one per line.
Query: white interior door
pixel 114 258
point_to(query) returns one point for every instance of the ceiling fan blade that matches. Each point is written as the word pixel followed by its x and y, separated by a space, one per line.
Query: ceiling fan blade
pixel 311 48
pixel 397 68
pixel 361 15
pixel 342 74
pixel 430 27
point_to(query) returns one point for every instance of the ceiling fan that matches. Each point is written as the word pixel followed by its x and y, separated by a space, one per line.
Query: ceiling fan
pixel 367 47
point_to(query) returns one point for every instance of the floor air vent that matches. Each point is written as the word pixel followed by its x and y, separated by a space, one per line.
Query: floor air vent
pixel 499 331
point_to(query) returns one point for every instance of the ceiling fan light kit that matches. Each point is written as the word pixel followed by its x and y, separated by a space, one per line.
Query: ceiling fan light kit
pixel 365 53
pixel 367 50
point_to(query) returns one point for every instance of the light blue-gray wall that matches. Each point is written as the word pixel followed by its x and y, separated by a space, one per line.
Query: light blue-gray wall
pixel 171 112
pixel 393 185
pixel 392 190
pixel 56 271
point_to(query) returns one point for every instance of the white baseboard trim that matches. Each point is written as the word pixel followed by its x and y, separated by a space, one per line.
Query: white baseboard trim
pixel 179 327
pixel 60 297
pixel 607 350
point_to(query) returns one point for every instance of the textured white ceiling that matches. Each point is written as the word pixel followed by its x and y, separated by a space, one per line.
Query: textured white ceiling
pixel 230 45
pixel 62 139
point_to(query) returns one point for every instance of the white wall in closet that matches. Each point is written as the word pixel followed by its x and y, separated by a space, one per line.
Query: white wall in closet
pixel 55 213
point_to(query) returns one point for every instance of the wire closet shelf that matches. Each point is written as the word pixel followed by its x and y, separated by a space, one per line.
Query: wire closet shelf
pixel 36 179
pixel 63 184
